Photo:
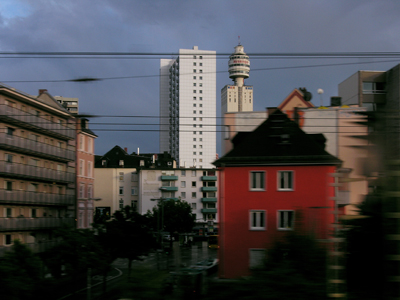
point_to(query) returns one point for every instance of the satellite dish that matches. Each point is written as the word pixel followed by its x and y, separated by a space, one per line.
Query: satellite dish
pixel 320 92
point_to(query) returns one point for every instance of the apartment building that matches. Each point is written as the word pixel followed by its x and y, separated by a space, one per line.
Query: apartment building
pixel 37 168
pixel 198 187
pixel 188 107
pixel 139 180
pixel 85 173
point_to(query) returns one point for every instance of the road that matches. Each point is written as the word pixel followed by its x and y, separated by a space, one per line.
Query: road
pixel 156 261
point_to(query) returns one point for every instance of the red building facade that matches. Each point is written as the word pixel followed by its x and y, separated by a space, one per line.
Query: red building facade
pixel 276 179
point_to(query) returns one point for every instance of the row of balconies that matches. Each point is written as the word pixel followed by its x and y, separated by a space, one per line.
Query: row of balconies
pixel 28 120
pixel 174 177
pixel 175 188
pixel 23 171
pixel 38 247
pixel 22 224
pixel 22 197
pixel 25 145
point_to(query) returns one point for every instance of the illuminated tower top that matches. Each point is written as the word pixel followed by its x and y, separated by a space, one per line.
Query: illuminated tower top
pixel 239 66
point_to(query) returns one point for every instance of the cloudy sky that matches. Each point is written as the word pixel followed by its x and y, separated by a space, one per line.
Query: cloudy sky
pixel 284 26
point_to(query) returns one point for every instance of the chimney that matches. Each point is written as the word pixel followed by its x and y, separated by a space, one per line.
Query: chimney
pixel 126 149
pixel 271 110
pixel 137 151
pixel 41 91
pixel 336 101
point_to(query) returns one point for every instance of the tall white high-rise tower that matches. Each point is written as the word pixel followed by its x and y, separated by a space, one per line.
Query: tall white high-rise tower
pixel 188 107
pixel 237 97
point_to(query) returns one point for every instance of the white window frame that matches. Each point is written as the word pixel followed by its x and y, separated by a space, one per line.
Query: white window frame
pixel 121 190
pixel 288 184
pixel 90 169
pixel 258 219
pixel 134 191
pixel 285 215
pixel 81 167
pixel 260 181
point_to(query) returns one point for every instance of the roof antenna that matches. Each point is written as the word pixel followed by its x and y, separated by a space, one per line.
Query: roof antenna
pixel 239 39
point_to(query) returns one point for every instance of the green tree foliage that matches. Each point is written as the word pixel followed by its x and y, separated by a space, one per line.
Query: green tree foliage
pixel 127 235
pixel 365 248
pixel 77 251
pixel 20 273
pixel 295 268
pixel 176 216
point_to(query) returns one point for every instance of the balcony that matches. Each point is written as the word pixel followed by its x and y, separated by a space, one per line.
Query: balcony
pixel 209 178
pixel 171 199
pixel 209 200
pixel 168 177
pixel 169 188
pixel 27 146
pixel 39 247
pixel 22 118
pixel 208 189
pixel 19 224
pixel 32 172
pixel 209 210
pixel 33 198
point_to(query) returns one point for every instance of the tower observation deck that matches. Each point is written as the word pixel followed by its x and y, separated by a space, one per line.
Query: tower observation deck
pixel 239 66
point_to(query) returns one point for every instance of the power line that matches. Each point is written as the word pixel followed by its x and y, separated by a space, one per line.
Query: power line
pixel 90 79
pixel 206 54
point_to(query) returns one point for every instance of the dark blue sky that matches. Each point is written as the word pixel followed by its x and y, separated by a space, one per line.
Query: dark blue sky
pixel 164 27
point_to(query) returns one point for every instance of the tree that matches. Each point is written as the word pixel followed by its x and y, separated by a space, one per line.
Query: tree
pixel 365 250
pixel 176 217
pixel 294 268
pixel 20 273
pixel 129 235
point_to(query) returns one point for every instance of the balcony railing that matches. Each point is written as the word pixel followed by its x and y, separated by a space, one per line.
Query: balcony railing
pixel 208 188
pixel 38 247
pixel 29 146
pixel 29 120
pixel 209 210
pixel 209 200
pixel 169 177
pixel 209 178
pixel 169 188
pixel 13 224
pixel 33 172
pixel 33 198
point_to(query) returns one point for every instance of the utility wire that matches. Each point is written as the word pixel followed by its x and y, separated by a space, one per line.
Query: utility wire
pixel 91 79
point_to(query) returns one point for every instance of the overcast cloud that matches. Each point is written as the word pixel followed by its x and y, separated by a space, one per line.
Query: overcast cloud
pixel 165 27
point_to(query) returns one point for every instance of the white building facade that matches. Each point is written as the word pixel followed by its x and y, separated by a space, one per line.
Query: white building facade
pixel 188 107
pixel 198 187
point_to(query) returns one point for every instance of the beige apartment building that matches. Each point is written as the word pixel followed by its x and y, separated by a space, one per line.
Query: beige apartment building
pixel 37 168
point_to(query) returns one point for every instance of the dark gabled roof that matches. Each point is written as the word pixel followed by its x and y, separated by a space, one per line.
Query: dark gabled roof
pixel 115 155
pixel 277 141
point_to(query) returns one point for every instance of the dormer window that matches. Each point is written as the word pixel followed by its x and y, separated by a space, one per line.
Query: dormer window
pixel 121 163
pixel 104 163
